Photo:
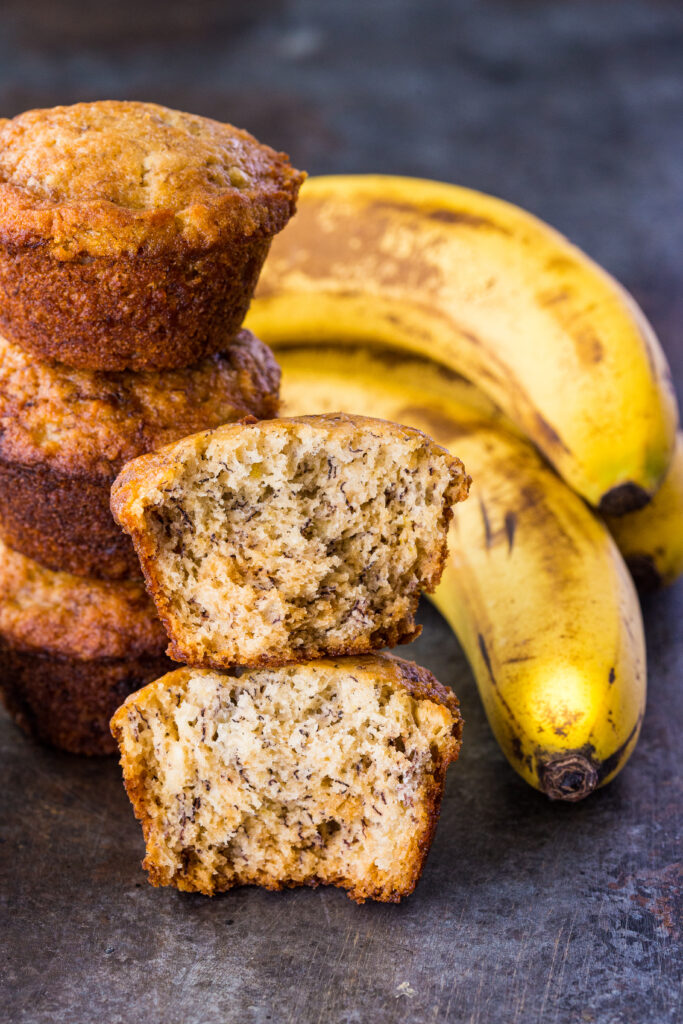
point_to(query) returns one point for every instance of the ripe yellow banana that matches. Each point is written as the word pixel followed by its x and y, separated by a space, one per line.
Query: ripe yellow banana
pixel 495 294
pixel 651 540
pixel 534 587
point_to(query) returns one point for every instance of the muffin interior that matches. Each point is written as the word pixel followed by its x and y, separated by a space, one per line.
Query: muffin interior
pixel 316 772
pixel 300 540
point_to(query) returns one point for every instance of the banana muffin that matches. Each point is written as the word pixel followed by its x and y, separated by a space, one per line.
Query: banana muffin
pixel 65 434
pixel 290 539
pixel 326 772
pixel 132 236
pixel 71 649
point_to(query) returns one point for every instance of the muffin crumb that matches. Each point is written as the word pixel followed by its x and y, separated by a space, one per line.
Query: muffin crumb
pixel 290 539
pixel 327 772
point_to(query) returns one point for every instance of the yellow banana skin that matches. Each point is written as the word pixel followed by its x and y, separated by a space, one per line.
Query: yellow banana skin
pixel 651 540
pixel 495 294
pixel 534 585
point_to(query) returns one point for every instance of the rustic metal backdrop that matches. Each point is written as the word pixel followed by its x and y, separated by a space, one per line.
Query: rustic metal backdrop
pixel 527 911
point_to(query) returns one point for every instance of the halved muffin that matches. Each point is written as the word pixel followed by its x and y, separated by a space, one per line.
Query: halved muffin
pixel 65 434
pixel 290 539
pixel 71 649
pixel 131 235
pixel 325 772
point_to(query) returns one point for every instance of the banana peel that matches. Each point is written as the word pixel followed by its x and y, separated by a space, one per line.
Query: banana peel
pixel 651 539
pixel 534 585
pixel 495 294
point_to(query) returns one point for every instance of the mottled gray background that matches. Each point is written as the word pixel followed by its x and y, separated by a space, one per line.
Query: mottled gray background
pixel 527 911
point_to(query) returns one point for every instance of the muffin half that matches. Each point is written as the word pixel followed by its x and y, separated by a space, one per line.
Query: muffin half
pixel 326 772
pixel 65 434
pixel 71 649
pixel 131 235
pixel 290 539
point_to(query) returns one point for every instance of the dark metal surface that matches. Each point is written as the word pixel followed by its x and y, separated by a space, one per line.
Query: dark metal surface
pixel 527 911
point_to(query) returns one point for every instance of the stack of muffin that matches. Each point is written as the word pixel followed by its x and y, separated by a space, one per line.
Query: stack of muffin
pixel 131 240
pixel 282 555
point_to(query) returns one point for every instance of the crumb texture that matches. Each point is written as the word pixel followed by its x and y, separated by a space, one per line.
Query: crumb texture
pixel 326 772
pixel 290 539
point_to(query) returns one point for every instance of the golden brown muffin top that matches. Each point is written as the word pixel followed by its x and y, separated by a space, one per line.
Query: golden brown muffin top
pixel 81 421
pixel 111 176
pixel 57 613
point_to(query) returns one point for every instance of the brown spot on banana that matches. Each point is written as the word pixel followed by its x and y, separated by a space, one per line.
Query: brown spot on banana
pixel 488 535
pixel 323 239
pixel 519 755
pixel 499 535
pixel 560 728
pixel 439 425
pixel 516 748
pixel 510 527
pixel 469 219
pixel 442 216
pixel 612 763
pixel 552 438
pixel 563 307
pixel 483 649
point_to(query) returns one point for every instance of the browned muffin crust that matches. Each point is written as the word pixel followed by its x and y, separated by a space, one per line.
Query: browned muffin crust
pixel 66 702
pixel 133 312
pixel 189 857
pixel 64 435
pixel 71 649
pixel 64 523
pixel 74 617
pixel 132 236
pixel 106 177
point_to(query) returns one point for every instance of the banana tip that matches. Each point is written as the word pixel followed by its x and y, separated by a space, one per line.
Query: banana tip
pixel 628 497
pixel 646 575
pixel 570 777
